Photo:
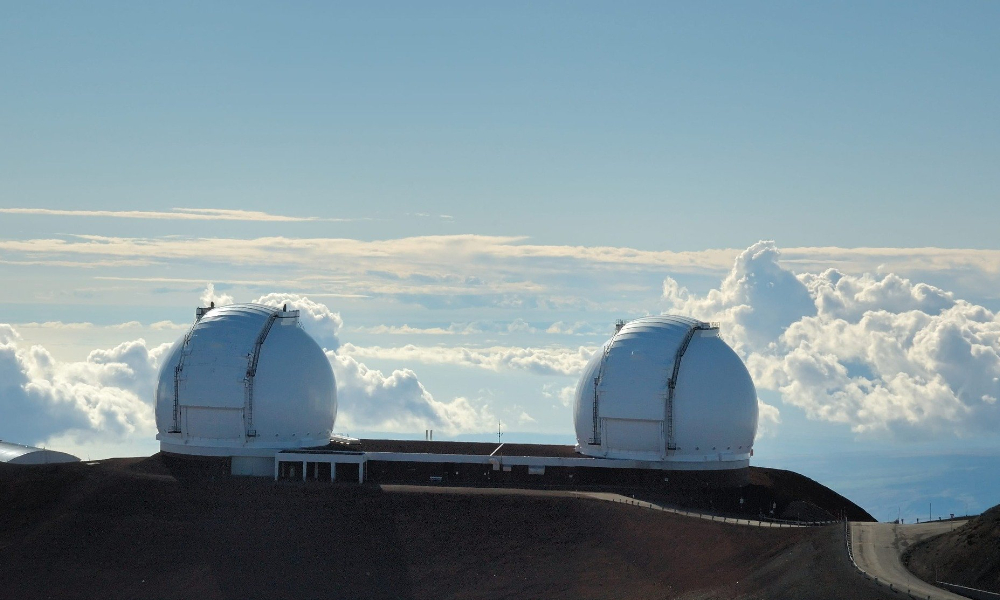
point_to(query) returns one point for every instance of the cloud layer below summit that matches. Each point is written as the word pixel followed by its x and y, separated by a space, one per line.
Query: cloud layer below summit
pixel 879 352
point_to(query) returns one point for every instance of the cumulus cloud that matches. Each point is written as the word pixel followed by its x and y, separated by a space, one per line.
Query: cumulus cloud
pixel 878 352
pixel 316 318
pixel 768 419
pixel 541 361
pixel 565 394
pixel 106 400
pixel 108 396
pixel 577 328
pixel 849 298
pixel 370 400
pixel 161 325
pixel 209 297
pixel 757 300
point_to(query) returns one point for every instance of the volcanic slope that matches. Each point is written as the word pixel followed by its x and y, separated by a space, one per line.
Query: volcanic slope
pixel 968 556
pixel 127 528
pixel 770 492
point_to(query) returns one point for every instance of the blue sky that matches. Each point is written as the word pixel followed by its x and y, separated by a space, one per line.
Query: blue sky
pixel 479 191
pixel 515 118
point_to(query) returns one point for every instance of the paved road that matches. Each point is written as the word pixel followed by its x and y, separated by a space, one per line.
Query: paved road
pixel 878 548
pixel 605 496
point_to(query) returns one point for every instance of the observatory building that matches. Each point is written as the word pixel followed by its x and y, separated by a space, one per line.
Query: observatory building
pixel 668 390
pixel 245 382
pixel 664 400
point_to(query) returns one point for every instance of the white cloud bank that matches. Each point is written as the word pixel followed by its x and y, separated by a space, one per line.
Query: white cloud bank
pixel 540 361
pixel 367 398
pixel 106 398
pixel 877 352
pixel 565 394
pixel 467 328
pixel 463 257
pixel 398 402
pixel 105 402
pixel 449 272
pixel 316 318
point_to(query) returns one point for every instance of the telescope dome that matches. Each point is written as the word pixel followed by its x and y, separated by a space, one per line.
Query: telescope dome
pixel 667 389
pixel 246 379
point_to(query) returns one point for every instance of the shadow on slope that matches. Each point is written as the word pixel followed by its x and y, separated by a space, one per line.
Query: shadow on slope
pixel 128 529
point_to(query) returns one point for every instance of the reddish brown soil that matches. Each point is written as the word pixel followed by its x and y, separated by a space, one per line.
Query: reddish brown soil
pixel 969 555
pixel 128 529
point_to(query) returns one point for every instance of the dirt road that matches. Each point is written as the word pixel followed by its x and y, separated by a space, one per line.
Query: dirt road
pixel 878 550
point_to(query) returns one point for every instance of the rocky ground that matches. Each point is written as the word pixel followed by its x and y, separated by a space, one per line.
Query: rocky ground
pixel 132 528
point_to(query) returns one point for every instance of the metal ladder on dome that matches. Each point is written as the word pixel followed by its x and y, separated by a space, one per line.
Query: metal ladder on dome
pixel 252 361
pixel 176 428
pixel 595 439
pixel 672 382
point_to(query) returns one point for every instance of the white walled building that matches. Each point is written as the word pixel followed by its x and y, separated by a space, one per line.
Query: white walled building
pixel 245 382
pixel 667 388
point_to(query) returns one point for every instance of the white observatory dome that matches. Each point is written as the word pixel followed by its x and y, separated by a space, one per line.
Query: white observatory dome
pixel 246 380
pixel 667 389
